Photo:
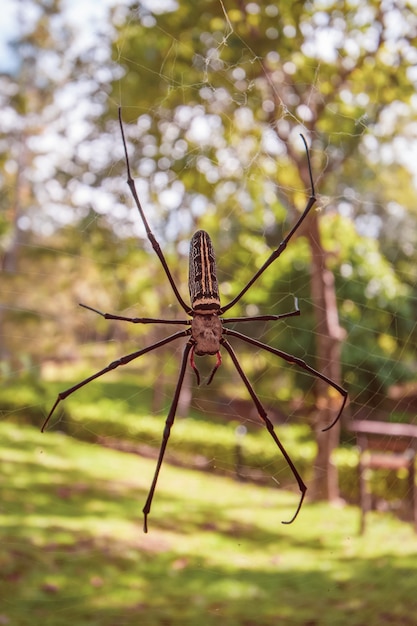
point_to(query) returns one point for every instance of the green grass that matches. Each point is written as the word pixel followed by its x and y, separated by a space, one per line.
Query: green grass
pixel 72 549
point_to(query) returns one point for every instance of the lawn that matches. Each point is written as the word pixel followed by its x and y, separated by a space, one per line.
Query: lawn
pixel 72 549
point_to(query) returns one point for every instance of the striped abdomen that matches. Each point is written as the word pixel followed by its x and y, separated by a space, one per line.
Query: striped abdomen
pixel 202 281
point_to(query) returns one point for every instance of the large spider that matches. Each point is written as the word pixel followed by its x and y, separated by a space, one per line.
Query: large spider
pixel 206 330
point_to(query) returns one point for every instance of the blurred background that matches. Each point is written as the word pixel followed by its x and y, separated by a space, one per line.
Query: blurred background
pixel 214 96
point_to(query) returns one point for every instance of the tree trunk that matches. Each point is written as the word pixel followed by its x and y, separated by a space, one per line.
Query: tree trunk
pixel 329 340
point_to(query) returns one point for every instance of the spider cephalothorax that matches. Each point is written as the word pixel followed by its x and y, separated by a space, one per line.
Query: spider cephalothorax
pixel 206 331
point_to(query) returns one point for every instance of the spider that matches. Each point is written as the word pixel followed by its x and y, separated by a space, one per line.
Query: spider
pixel 206 332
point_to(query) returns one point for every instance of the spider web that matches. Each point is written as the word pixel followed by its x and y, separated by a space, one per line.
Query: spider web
pixel 241 165
pixel 110 265
pixel 202 126
pixel 254 165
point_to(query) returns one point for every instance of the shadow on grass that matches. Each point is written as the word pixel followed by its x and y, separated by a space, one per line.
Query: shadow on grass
pixel 72 550
pixel 105 581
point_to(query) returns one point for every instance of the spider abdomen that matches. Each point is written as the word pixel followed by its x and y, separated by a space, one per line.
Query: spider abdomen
pixel 202 281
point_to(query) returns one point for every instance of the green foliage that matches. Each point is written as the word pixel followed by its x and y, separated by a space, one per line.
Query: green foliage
pixel 24 401
pixel 376 308
pixel 193 438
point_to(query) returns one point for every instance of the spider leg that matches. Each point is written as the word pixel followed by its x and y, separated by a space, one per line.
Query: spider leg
pixel 194 366
pixel 167 430
pixel 296 361
pixel 122 361
pixel 277 253
pixel 269 426
pixel 135 320
pixel 264 318
pixel 149 234
pixel 216 367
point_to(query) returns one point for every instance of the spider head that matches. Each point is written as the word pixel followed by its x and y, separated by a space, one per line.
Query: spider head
pixel 206 330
